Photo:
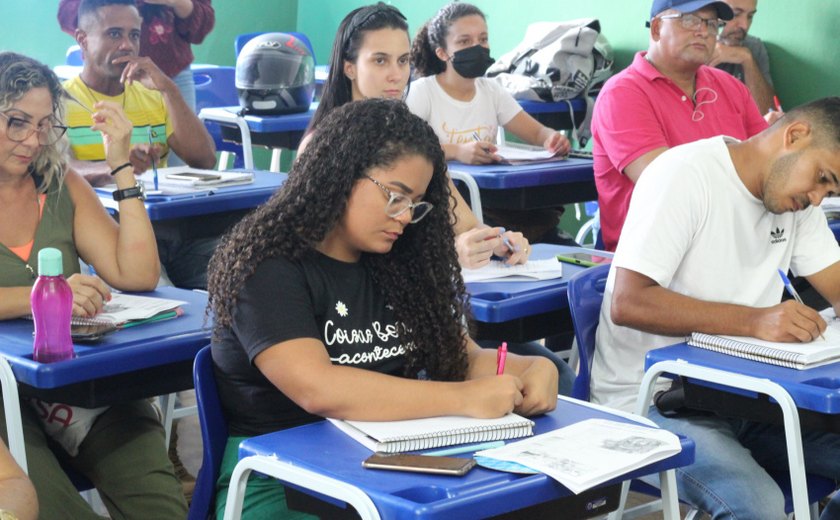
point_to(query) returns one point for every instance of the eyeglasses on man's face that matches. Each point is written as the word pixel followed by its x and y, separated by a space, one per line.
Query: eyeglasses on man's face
pixel 19 130
pixel 692 22
pixel 399 204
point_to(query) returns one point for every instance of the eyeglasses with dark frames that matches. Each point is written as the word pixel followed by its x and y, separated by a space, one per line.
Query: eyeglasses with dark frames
pixel 19 130
pixel 692 22
pixel 399 204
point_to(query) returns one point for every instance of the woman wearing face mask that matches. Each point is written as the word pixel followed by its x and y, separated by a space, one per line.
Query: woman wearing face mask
pixel 465 109
pixel 452 53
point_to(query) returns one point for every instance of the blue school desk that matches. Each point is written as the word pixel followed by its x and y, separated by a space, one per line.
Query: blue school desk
pixel 524 311
pixel 218 200
pixel 325 451
pixel 275 132
pixel 532 186
pixel 736 387
pixel 285 131
pixel 142 361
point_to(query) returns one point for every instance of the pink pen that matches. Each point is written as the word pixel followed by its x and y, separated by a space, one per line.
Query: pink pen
pixel 501 356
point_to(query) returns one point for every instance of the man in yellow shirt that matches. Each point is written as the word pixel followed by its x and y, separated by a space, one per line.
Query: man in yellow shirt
pixel 109 36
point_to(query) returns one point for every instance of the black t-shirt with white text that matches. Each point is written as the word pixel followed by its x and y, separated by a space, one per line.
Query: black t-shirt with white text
pixel 317 297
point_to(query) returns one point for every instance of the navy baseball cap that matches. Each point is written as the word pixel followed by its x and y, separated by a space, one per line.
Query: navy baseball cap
pixel 724 12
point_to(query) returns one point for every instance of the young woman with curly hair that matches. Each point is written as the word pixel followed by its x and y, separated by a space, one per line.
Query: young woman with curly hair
pixel 370 59
pixel 342 296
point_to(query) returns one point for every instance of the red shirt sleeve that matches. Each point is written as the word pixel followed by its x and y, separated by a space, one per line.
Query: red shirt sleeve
pixel 198 24
pixel 68 15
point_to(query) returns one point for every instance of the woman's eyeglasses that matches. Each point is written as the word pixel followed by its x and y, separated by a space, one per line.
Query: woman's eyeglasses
pixel 399 204
pixel 19 130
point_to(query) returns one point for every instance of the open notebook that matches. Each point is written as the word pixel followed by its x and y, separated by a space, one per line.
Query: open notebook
pixel 531 270
pixel 791 355
pixel 524 154
pixel 584 454
pixel 179 180
pixel 434 432
pixel 124 310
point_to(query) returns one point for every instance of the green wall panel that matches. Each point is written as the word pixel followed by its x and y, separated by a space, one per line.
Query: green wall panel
pixel 800 35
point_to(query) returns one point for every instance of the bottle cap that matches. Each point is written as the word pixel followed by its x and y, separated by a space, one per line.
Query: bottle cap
pixel 49 262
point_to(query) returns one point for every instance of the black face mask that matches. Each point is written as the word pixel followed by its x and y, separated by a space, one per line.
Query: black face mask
pixel 472 62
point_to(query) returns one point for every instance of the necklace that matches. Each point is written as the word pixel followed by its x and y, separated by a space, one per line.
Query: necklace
pixel 96 99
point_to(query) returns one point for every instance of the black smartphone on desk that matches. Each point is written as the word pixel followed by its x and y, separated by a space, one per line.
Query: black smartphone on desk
pixel 419 463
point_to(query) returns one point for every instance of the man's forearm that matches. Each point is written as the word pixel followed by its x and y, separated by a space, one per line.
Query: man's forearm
pixel 658 310
pixel 760 89
pixel 189 138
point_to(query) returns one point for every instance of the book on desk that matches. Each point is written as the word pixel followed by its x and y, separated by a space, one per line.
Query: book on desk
pixel 122 311
pixel 183 180
pixel 433 432
pixel 800 356
pixel 530 271
pixel 585 454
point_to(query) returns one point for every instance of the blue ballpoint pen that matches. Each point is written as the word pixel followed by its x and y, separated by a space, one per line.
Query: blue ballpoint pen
pixel 154 166
pixel 791 291
pixel 506 241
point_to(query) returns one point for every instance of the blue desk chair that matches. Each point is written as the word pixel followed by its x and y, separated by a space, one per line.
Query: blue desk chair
pixel 215 87
pixel 214 434
pixel 585 293
pixel 242 39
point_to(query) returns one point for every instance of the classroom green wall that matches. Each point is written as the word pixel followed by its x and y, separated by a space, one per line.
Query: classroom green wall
pixel 30 27
pixel 800 34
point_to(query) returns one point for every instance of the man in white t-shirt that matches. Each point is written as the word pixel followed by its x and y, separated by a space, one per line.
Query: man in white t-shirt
pixel 709 225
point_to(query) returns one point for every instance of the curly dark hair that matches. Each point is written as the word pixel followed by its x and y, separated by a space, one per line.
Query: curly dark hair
pixel 420 277
pixel 433 35
pixel 348 40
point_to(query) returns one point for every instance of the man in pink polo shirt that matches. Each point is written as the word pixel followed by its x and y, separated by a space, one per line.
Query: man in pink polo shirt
pixel 666 97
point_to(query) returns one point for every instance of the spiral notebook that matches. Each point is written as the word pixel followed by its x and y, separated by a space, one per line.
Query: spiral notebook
pixel 792 355
pixel 434 432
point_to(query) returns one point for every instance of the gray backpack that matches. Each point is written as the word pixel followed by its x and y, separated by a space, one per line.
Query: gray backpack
pixel 557 61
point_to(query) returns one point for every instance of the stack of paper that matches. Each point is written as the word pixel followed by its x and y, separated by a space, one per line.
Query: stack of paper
pixel 523 154
pixel 587 453
pixel 528 272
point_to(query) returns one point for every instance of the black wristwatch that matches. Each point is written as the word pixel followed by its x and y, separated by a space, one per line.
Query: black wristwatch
pixel 138 191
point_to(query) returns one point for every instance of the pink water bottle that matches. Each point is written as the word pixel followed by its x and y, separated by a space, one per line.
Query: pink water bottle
pixel 52 307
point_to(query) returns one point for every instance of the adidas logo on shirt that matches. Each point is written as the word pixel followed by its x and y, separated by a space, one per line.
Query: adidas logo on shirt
pixel 777 236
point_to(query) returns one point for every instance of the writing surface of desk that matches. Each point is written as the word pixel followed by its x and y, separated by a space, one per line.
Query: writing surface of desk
pixel 815 389
pixel 322 448
pixel 524 311
pixel 218 200
pixel 282 131
pixel 736 387
pixel 532 186
pixel 834 225
pixel 143 361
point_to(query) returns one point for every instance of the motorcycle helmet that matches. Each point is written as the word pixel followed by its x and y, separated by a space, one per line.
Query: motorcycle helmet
pixel 275 74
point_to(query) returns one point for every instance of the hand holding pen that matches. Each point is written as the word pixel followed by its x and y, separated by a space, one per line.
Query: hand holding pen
pixel 792 291
pixel 501 358
pixel 776 113
pixel 476 151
